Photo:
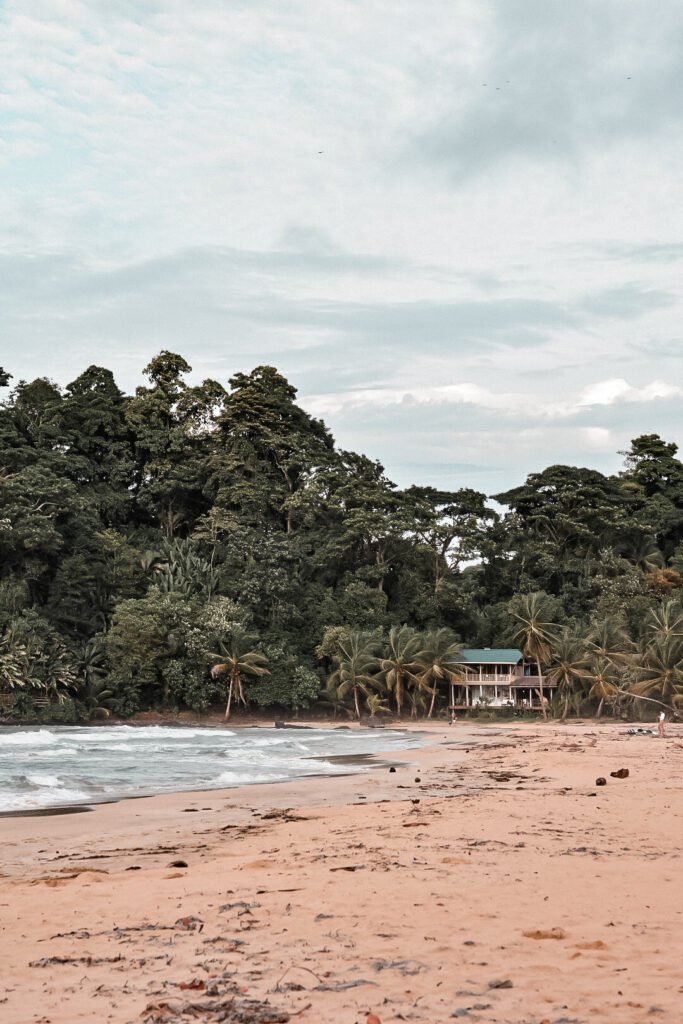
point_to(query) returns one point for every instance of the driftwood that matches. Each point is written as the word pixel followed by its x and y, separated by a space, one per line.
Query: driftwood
pixel 341 986
pixel 82 961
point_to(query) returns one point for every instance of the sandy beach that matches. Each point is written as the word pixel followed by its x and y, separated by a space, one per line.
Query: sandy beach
pixel 487 878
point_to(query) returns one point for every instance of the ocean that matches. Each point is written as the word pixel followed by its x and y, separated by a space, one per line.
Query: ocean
pixel 60 766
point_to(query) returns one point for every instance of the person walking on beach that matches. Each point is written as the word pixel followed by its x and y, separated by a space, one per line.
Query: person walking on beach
pixel 661 725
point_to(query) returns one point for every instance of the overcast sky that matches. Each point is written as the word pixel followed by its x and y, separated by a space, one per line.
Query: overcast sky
pixel 456 226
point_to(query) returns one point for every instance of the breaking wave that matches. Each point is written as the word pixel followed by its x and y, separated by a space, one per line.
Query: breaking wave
pixel 67 765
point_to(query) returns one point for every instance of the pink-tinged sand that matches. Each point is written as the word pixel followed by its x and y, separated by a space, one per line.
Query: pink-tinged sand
pixel 510 836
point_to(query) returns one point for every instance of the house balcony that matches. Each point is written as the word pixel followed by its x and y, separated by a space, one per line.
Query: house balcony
pixel 490 679
pixel 500 691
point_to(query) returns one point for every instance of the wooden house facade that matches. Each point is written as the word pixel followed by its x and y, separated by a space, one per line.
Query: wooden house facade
pixel 499 677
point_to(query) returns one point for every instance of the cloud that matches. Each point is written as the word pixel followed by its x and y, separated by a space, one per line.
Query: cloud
pixel 507 404
pixel 557 81
pixel 234 304
pixel 607 392
pixel 461 277
pixel 626 301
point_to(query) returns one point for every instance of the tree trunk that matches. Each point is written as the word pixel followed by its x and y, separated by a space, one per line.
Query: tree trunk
pixel 540 690
pixel 565 710
pixel 227 710
pixel 380 560
pixel 355 701
pixel 433 701
pixel 599 711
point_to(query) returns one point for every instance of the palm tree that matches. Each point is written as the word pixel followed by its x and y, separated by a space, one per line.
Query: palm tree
pixel 607 638
pixel 15 664
pixel 238 658
pixel 611 654
pixel 665 621
pixel 568 668
pixel 375 702
pixel 400 664
pixel 661 670
pixel 646 555
pixel 356 661
pixel 90 686
pixel 440 660
pixel 606 681
pixel 416 699
pixel 55 670
pixel 534 635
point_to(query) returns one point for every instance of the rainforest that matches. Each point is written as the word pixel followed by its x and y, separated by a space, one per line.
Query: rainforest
pixel 187 543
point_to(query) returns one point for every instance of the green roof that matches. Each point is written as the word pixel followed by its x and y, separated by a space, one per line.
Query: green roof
pixel 491 655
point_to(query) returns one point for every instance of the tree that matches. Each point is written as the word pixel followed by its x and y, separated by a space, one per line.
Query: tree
pixel 562 519
pixel 356 667
pixel 453 525
pixel 608 638
pixel 34 648
pixel 400 664
pixel 238 658
pixel 34 412
pixel 146 635
pixel 375 702
pixel 90 686
pixel 610 654
pixel 99 442
pixel 157 525
pixel 653 476
pixel 375 518
pixel 606 681
pixel 534 634
pixel 172 423
pixel 568 668
pixel 665 621
pixel 651 465
pixel 265 449
pixel 440 661
pixel 16 664
pixel 660 672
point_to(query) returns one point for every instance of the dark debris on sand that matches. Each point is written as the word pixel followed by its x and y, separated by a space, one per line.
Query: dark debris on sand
pixel 233 1010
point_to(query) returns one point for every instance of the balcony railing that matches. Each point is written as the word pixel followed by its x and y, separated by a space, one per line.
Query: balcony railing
pixel 507 680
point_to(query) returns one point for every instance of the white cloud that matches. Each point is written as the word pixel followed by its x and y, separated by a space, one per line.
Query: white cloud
pixel 607 392
pixel 440 266
pixel 507 403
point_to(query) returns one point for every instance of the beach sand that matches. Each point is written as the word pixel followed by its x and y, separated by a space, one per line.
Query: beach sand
pixel 487 878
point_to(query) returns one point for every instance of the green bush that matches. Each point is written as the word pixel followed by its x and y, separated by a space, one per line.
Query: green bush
pixel 65 712
pixel 191 687
pixel 289 684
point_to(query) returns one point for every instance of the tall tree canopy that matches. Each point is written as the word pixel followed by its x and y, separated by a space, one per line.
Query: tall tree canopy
pixel 142 535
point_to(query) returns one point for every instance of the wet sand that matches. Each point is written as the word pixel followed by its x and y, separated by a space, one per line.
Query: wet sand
pixel 487 877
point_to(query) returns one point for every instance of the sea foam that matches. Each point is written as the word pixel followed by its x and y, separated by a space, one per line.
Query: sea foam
pixel 67 765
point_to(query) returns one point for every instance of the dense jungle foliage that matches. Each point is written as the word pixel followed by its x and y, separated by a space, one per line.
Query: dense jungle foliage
pixel 161 549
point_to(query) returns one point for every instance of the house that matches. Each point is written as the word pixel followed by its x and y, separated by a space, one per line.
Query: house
pixel 499 677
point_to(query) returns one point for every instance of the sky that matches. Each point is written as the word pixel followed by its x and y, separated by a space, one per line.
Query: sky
pixel 456 226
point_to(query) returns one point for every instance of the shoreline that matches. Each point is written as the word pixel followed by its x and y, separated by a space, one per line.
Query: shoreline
pixel 487 856
pixel 370 759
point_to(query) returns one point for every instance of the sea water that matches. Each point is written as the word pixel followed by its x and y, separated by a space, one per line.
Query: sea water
pixel 61 766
